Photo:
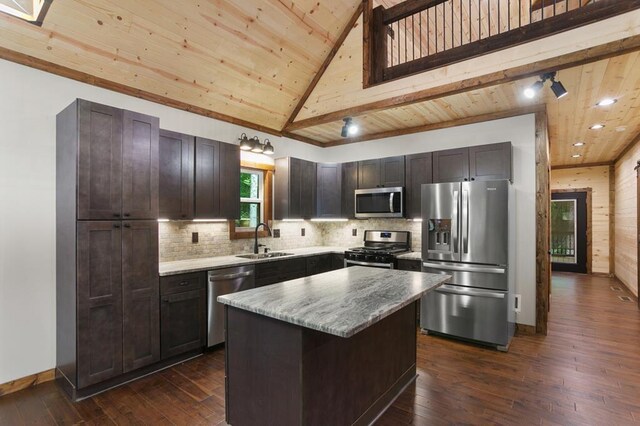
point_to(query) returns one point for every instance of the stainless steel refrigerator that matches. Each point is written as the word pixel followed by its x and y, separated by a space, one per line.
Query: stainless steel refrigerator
pixel 468 232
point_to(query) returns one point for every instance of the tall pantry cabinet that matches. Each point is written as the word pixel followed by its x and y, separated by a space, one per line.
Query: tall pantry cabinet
pixel 107 244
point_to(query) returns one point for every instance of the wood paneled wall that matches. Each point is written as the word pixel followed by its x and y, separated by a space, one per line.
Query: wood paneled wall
pixel 596 178
pixel 626 213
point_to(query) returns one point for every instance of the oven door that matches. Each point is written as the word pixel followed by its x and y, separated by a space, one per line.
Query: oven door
pixel 379 202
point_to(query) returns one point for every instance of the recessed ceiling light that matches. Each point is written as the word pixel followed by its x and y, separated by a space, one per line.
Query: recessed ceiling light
pixel 578 144
pixel 576 155
pixel 597 127
pixel 621 128
pixel 607 102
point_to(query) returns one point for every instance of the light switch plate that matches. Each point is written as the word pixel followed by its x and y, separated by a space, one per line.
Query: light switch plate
pixel 276 233
pixel 302 232
pixel 354 232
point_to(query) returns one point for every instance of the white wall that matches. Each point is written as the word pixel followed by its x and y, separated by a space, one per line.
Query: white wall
pixel 29 102
pixel 521 132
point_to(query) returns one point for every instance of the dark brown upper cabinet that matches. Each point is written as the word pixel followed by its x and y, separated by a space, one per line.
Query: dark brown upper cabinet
pixel 349 185
pixel 99 305
pixel 329 190
pixel 140 294
pixel 381 173
pixel 294 189
pixel 117 163
pixel 176 175
pixel 418 172
pixel 140 166
pixel 99 129
pixel 484 162
pixel 491 162
pixel 451 165
pixel 217 180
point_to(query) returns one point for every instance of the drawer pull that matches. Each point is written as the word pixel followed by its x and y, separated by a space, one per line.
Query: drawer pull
pixel 183 283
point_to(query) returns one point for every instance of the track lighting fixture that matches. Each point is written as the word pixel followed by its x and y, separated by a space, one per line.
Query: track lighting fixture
pixel 349 128
pixel 557 87
pixel 254 145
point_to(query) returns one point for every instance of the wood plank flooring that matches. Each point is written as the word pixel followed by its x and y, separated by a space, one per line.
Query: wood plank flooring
pixel 586 371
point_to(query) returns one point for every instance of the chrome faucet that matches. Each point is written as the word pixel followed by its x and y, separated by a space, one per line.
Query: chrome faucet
pixel 255 240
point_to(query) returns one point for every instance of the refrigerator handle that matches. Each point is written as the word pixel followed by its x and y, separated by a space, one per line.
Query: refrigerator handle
pixel 465 221
pixel 454 225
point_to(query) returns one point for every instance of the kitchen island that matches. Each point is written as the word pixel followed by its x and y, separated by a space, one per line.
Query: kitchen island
pixel 334 348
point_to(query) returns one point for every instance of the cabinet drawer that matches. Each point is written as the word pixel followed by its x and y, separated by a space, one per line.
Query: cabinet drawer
pixel 182 282
pixel 409 265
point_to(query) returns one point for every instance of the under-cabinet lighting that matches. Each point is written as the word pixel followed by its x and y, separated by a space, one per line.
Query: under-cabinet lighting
pixel 209 220
pixel 319 219
pixel 417 220
pixel 607 102
pixel 163 220
pixel 293 220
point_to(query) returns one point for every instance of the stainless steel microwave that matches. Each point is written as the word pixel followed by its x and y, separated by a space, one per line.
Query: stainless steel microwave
pixel 379 202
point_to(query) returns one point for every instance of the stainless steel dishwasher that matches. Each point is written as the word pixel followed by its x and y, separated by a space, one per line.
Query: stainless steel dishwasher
pixel 224 281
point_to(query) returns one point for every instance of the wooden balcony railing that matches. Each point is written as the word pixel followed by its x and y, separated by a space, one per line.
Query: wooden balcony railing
pixel 419 35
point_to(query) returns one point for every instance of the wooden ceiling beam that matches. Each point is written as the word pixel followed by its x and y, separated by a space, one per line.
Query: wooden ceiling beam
pixel 627 148
pixel 408 8
pixel 50 67
pixel 581 166
pixel 442 125
pixel 581 57
pixel 304 139
pixel 332 53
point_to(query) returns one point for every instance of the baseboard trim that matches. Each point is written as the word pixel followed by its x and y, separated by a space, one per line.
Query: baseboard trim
pixel 633 296
pixel 602 274
pixel 26 382
pixel 526 330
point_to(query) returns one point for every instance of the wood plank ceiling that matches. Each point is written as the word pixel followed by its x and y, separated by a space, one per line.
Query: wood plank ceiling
pixel 250 62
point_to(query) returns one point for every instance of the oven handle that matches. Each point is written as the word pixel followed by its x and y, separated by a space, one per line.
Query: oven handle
pixel 381 265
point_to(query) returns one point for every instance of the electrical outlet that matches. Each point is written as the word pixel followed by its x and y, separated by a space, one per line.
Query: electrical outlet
pixel 302 232
pixel 354 232
pixel 194 237
pixel 276 233
pixel 517 303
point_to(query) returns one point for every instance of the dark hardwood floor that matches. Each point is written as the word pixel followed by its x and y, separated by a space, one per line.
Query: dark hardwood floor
pixel 586 371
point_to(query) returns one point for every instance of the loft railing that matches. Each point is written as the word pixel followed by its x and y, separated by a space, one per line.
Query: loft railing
pixel 418 35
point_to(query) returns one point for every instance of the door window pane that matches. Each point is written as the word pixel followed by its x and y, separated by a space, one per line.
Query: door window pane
pixel 563 231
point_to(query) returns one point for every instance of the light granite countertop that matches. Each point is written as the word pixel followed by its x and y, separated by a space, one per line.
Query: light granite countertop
pixel 414 255
pixel 341 302
pixel 217 262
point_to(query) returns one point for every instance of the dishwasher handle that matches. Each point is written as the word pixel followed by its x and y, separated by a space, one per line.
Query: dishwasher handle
pixel 213 278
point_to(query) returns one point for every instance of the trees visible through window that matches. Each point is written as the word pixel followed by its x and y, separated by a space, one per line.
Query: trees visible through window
pixel 251 198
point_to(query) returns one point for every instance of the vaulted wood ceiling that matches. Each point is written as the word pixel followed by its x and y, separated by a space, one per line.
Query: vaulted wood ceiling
pixel 250 62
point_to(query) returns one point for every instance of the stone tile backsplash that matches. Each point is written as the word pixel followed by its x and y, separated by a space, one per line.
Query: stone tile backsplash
pixel 213 238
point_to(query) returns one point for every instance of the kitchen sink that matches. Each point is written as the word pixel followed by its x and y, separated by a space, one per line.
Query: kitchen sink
pixel 264 255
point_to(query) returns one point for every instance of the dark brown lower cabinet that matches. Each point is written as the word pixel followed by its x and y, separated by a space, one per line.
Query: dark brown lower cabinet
pixel 280 270
pixel 319 264
pixel 183 313
pixel 337 261
pixel 140 294
pixel 409 265
pixel 99 302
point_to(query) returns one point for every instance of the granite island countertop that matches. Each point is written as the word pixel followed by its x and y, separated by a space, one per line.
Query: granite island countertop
pixel 341 302
pixel 217 262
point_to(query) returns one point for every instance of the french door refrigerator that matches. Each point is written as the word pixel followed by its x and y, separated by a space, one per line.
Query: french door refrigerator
pixel 468 233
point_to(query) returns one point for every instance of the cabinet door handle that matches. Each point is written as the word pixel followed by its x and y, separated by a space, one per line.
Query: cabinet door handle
pixel 183 283
pixel 126 215
pixel 126 225
pixel 116 215
pixel 166 300
pixel 116 226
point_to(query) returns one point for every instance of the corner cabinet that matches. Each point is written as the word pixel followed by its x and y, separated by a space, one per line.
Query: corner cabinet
pixel 381 173
pixel 217 180
pixel 294 189
pixel 107 294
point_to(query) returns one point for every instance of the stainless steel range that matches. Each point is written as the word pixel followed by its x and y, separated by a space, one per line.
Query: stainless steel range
pixel 380 249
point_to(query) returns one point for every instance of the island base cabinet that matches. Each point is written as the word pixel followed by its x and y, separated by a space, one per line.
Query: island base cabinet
pixel 293 375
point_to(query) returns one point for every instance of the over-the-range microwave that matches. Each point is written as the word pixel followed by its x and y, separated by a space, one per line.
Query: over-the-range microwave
pixel 379 202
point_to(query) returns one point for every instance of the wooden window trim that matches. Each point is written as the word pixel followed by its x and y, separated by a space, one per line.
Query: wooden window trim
pixel 267 197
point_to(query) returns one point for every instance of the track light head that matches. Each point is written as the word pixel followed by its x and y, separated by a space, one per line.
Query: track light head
pixel 558 89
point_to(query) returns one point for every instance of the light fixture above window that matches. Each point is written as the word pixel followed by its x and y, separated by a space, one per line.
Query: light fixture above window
pixel 606 102
pixel 254 145
pixel 349 128
pixel 557 87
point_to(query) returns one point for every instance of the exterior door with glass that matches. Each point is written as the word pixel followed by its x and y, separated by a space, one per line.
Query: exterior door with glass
pixel 569 232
